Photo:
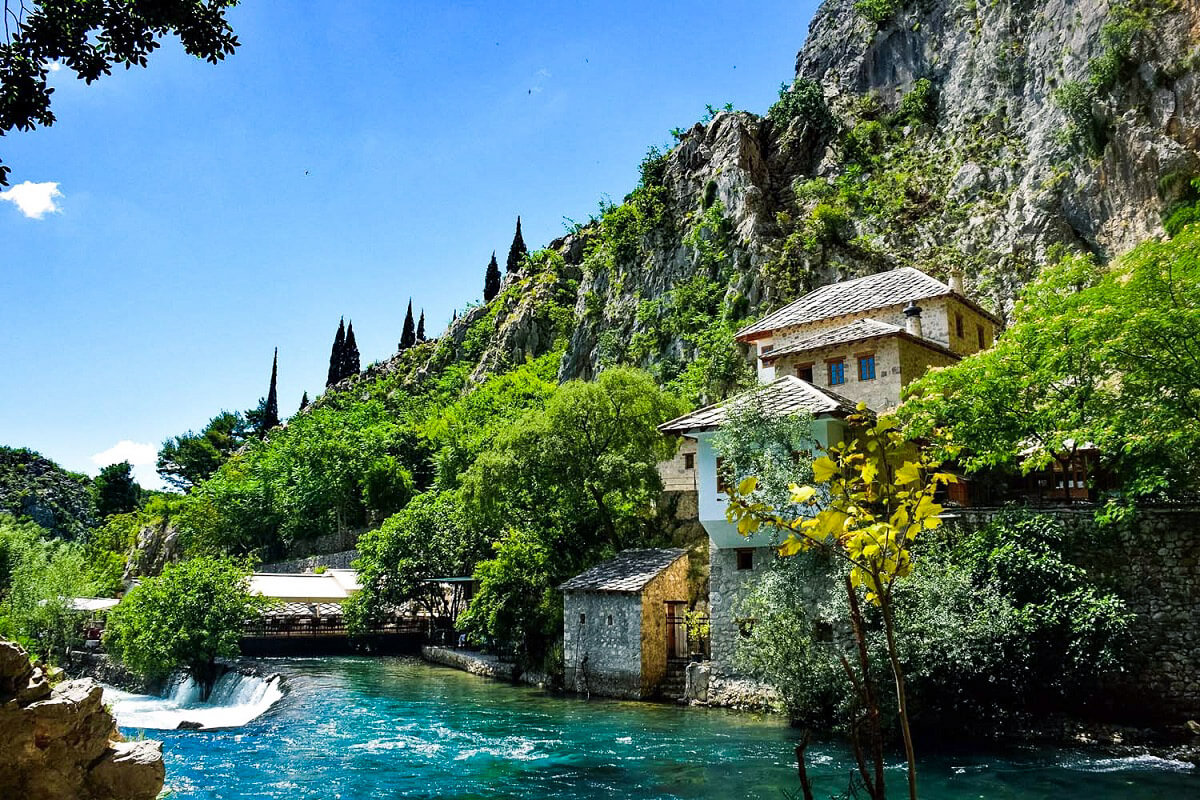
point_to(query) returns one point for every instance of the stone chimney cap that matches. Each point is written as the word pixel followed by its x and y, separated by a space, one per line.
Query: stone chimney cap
pixel 912 309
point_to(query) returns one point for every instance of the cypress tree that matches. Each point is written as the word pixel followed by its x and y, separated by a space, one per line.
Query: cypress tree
pixel 350 362
pixel 491 280
pixel 518 250
pixel 408 336
pixel 271 412
pixel 335 356
pixel 421 327
pixel 304 401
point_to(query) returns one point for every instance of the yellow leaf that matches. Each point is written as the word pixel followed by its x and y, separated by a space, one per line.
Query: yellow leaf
pixel 824 469
pixel 748 485
pixel 803 494
pixel 791 546
pixel 909 473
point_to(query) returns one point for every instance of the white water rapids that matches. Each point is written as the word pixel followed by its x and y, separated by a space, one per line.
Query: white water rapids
pixel 236 699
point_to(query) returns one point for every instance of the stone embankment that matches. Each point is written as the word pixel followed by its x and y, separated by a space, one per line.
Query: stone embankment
pixel 61 743
pixel 483 665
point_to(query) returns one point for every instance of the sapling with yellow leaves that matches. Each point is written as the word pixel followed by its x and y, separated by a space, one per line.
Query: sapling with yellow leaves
pixel 872 495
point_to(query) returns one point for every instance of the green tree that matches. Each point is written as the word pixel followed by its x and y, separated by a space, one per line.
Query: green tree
pixel 491 280
pixel 188 617
pixel 516 251
pixel 88 38
pixel 1095 355
pixel 266 415
pixel 304 401
pixel 577 479
pixel 351 365
pixel 408 335
pixel 190 458
pixel 421 327
pixel 337 355
pixel 39 579
pixel 115 490
pixel 874 494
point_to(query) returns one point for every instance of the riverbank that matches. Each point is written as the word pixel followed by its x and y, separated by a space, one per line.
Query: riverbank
pixel 379 728
pixel 485 666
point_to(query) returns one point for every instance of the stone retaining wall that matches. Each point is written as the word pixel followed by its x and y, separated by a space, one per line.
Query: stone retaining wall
pixel 1153 562
pixel 342 560
pixel 483 665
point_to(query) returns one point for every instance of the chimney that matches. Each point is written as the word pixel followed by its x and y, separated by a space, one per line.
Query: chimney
pixel 956 281
pixel 912 319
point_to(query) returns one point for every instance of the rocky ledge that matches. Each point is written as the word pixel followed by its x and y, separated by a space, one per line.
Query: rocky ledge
pixel 61 743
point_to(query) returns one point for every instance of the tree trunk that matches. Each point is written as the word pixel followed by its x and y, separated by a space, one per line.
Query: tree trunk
pixel 885 605
pixel 805 784
pixel 876 788
pixel 205 675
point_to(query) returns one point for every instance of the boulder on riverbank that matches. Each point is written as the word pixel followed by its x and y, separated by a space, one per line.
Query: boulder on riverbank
pixel 61 743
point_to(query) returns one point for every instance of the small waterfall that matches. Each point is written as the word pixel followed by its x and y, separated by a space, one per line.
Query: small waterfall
pixel 236 700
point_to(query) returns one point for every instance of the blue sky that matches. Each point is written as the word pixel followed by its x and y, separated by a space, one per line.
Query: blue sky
pixel 347 157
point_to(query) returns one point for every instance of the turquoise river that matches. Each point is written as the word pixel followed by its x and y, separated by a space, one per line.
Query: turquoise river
pixel 354 728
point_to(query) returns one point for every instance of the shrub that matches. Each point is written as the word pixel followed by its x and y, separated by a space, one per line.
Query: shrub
pixel 878 11
pixel 804 99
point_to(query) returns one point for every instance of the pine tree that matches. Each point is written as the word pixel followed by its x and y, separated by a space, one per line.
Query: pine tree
pixel 491 280
pixel 271 411
pixel 304 401
pixel 335 356
pixel 421 327
pixel 408 336
pixel 517 252
pixel 350 362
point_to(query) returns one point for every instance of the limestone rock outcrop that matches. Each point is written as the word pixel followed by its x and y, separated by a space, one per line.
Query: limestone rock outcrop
pixel 61 743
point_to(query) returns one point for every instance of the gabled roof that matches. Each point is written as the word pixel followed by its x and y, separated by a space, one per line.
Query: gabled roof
pixel 781 397
pixel 884 290
pixel 857 331
pixel 628 572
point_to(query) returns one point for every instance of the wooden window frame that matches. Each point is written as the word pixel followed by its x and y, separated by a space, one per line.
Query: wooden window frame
pixel 860 358
pixel 689 461
pixel 982 338
pixel 748 554
pixel 829 364
pixel 722 486
pixel 798 368
pixel 958 325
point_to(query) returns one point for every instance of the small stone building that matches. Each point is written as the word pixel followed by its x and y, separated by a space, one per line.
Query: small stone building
pixel 616 635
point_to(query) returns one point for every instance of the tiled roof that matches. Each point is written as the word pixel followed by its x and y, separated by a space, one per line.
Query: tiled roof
pixel 853 332
pixel 884 290
pixel 857 331
pixel 781 397
pixel 628 571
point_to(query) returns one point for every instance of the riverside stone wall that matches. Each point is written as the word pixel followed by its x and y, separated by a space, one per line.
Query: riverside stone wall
pixel 342 560
pixel 1153 562
pixel 602 643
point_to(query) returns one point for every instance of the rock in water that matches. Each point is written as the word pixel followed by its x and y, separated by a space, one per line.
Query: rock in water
pixel 61 743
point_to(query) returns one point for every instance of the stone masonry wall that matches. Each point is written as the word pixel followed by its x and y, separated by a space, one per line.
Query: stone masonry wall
pixel 602 637
pixel 1153 562
pixel 671 585
pixel 342 560
pixel 676 477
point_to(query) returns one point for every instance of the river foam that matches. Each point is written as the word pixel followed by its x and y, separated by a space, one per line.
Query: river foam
pixel 236 700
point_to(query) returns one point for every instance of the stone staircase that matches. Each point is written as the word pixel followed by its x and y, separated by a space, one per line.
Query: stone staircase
pixel 671 687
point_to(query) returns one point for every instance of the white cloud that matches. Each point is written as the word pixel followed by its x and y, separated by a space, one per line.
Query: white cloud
pixel 143 457
pixel 34 199
pixel 53 66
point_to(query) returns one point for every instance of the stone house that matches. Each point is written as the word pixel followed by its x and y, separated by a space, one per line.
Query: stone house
pixel 736 560
pixel 868 338
pixel 858 341
pixel 616 636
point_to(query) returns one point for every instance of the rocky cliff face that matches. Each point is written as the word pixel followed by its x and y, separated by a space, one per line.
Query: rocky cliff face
pixel 936 134
pixel 35 487
pixel 60 743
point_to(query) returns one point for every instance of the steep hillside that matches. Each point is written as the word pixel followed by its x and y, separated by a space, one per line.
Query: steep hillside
pixel 932 134
pixel 35 487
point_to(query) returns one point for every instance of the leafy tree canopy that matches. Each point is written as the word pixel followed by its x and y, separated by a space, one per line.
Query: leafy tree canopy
pixel 190 458
pixel 1095 355
pixel 188 617
pixel 89 37
pixel 115 490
